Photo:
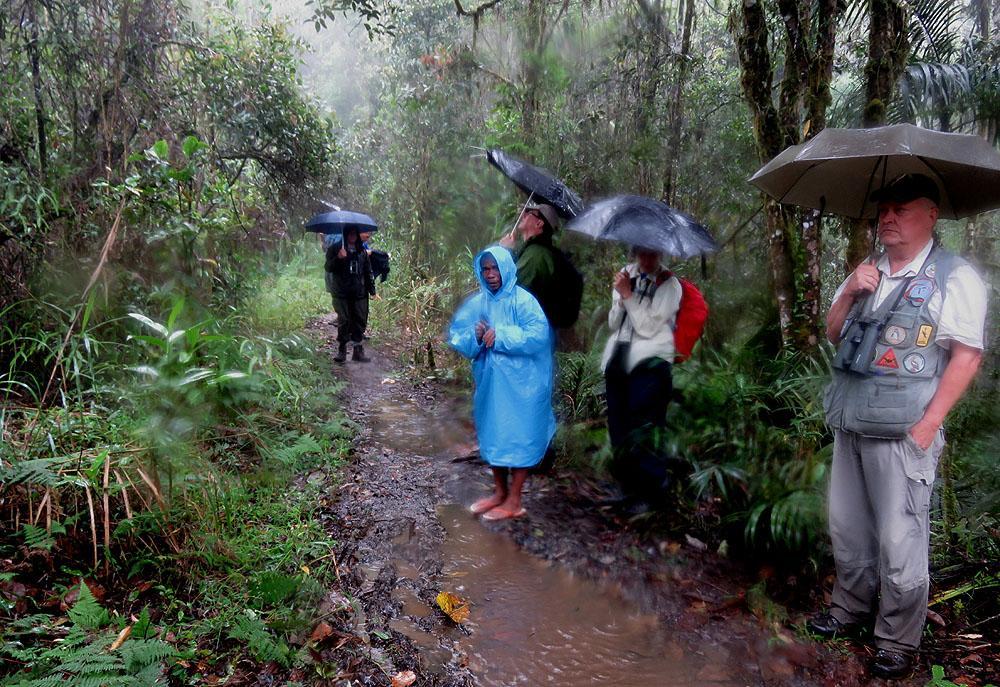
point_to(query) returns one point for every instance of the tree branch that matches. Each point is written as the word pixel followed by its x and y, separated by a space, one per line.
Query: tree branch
pixel 476 13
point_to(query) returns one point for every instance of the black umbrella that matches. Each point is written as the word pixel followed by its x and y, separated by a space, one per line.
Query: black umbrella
pixel 539 183
pixel 647 223
pixel 338 220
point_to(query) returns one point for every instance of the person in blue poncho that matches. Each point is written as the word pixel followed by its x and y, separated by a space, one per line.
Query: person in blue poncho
pixel 503 330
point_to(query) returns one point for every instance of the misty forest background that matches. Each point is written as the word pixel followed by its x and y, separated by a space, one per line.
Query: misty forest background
pixel 158 390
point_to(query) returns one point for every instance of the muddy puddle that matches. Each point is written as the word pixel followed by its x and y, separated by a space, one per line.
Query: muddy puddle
pixel 531 622
pixel 409 427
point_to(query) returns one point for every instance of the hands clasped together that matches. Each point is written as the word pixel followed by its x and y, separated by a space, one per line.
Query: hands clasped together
pixel 485 334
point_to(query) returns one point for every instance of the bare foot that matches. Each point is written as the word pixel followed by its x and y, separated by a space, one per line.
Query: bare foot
pixel 486 504
pixel 502 513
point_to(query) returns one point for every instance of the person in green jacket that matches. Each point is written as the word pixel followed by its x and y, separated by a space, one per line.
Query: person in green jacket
pixel 536 267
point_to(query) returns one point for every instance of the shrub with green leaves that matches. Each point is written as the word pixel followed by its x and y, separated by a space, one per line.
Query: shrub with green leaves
pixel 753 433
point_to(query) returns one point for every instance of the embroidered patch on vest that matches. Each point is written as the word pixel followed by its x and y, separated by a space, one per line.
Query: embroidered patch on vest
pixel 894 335
pixel 930 270
pixel 924 334
pixel 888 359
pixel 920 290
pixel 914 363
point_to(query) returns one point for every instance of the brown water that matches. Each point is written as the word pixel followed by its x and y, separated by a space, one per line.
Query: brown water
pixel 409 428
pixel 531 623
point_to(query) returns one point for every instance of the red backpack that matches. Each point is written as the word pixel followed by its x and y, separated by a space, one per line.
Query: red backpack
pixel 691 316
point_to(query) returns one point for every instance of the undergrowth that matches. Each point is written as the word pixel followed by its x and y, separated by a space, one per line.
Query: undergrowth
pixel 177 464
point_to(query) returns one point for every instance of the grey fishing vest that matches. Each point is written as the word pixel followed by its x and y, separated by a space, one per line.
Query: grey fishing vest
pixel 887 366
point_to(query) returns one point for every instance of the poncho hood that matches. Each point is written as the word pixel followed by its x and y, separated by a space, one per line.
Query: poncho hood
pixel 508 271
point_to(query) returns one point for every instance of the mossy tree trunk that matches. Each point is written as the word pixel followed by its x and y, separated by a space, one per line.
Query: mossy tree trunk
pixel 676 117
pixel 794 237
pixel 888 48
pixel 34 48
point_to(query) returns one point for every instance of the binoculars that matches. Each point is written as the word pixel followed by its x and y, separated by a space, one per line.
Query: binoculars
pixel 857 352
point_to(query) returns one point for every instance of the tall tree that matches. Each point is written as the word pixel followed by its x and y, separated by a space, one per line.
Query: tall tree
pixel 676 117
pixel 888 49
pixel 795 112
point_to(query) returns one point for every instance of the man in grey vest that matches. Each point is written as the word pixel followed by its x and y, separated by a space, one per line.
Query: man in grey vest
pixel 909 331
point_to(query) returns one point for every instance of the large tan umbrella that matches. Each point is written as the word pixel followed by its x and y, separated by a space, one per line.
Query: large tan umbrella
pixel 837 170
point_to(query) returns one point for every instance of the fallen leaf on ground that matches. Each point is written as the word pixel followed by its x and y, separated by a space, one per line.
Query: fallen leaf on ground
pixel 404 679
pixel 322 631
pixel 454 607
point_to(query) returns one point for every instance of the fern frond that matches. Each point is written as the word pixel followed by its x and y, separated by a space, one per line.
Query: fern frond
pixel 263 646
pixel 38 471
pixel 37 537
pixel 139 654
pixel 87 613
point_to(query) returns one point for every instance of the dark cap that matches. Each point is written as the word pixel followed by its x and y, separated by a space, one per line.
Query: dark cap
pixel 908 187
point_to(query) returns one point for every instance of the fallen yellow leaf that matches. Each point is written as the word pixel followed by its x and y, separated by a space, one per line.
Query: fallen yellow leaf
pixel 454 607
pixel 404 679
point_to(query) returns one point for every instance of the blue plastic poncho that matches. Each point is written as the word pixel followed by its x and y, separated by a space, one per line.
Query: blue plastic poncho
pixel 512 404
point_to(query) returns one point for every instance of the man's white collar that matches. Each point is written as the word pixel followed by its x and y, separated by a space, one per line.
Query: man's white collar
pixel 912 268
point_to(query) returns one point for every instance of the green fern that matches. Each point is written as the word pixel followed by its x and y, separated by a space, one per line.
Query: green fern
pixel 40 538
pixel 263 646
pixel 273 588
pixel 289 454
pixel 82 662
pixel 38 471
pixel 87 613
pixel 141 655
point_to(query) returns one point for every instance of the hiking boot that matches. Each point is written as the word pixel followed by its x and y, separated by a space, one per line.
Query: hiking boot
pixel 891 664
pixel 825 625
pixel 341 352
pixel 359 354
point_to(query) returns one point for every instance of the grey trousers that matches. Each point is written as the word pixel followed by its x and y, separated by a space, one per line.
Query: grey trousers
pixel 880 492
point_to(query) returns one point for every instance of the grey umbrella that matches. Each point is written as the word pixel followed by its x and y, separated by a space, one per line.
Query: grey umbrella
pixel 644 222
pixel 837 170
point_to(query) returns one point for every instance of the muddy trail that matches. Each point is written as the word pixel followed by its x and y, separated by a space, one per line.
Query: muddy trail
pixel 567 595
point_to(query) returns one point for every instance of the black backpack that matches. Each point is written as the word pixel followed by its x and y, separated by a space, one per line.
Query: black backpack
pixel 564 302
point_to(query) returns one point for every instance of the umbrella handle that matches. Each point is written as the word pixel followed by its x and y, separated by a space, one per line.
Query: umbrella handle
pixel 520 215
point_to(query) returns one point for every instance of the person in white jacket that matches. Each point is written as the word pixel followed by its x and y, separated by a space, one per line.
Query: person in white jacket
pixel 637 370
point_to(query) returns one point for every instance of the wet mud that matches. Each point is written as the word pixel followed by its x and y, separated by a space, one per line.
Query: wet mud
pixel 567 595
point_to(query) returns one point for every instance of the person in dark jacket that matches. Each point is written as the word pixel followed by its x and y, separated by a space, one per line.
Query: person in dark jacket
pixel 351 283
pixel 536 267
